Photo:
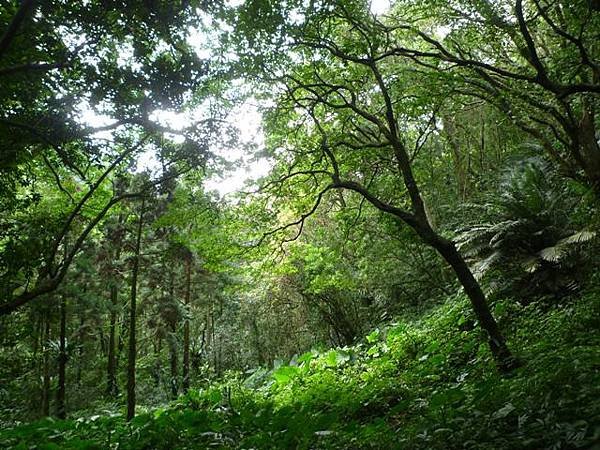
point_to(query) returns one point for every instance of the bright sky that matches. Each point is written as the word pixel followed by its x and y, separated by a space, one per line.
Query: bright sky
pixel 248 120
pixel 245 118
pixel 380 6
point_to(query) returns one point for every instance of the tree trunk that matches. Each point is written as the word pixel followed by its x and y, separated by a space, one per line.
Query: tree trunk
pixel 132 322
pixel 111 388
pixel 12 30
pixel 500 351
pixel 186 327
pixel 590 150
pixel 459 159
pixel 61 411
pixel 157 362
pixel 80 349
pixel 173 347
pixel 173 360
pixel 46 370
pixel 418 222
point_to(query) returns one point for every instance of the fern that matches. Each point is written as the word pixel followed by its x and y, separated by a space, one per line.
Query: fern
pixel 527 233
pixel 578 238
pixel 556 253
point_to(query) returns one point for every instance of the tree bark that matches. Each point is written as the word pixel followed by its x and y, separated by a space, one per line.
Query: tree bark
pixel 186 327
pixel 61 411
pixel 418 222
pixel 460 159
pixel 132 350
pixel 590 150
pixel 26 7
pixel 173 347
pixel 111 388
pixel 500 351
pixel 157 362
pixel 80 349
pixel 173 361
pixel 46 370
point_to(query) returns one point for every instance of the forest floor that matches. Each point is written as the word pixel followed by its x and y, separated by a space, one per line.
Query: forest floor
pixel 429 383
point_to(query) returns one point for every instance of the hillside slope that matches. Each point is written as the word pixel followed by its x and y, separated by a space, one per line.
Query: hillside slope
pixel 427 384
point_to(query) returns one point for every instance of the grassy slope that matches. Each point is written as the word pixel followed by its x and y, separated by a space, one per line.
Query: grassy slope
pixel 428 384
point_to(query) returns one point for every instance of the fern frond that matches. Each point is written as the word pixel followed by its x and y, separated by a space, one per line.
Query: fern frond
pixel 553 254
pixel 531 264
pixel 578 238
pixel 480 268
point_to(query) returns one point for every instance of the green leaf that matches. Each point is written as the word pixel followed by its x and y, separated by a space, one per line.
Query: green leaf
pixel 578 238
pixel 504 411
pixel 373 336
pixel 446 398
pixel 336 358
pixel 284 374
pixel 307 357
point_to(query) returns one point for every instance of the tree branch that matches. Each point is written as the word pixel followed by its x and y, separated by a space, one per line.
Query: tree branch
pixel 50 284
pixel 84 200
pixel 38 67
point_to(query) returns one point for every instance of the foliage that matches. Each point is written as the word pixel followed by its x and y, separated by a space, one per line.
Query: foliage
pixel 331 303
pixel 423 384
pixel 528 233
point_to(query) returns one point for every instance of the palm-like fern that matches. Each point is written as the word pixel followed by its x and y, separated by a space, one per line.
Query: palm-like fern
pixel 528 234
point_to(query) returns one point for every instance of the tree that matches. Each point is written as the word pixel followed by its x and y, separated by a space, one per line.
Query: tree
pixel 360 107
pixel 46 366
pixel 61 410
pixel 536 61
pixel 57 61
pixel 132 346
pixel 109 256
pixel 186 325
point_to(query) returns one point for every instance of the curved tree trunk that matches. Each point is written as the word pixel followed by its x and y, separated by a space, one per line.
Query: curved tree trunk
pixel 500 351
pixel 446 248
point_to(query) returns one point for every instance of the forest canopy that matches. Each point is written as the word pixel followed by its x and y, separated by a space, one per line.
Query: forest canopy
pixel 299 224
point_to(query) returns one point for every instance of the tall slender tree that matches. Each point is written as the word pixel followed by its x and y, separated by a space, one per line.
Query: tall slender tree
pixel 61 409
pixel 46 365
pixel 132 347
pixel 186 323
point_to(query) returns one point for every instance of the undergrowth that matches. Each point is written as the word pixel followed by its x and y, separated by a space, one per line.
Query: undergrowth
pixel 426 384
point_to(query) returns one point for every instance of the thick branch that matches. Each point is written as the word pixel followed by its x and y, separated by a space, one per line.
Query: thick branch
pixel 585 59
pixel 403 215
pixel 532 54
pixel 38 134
pixel 37 67
pixel 444 54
